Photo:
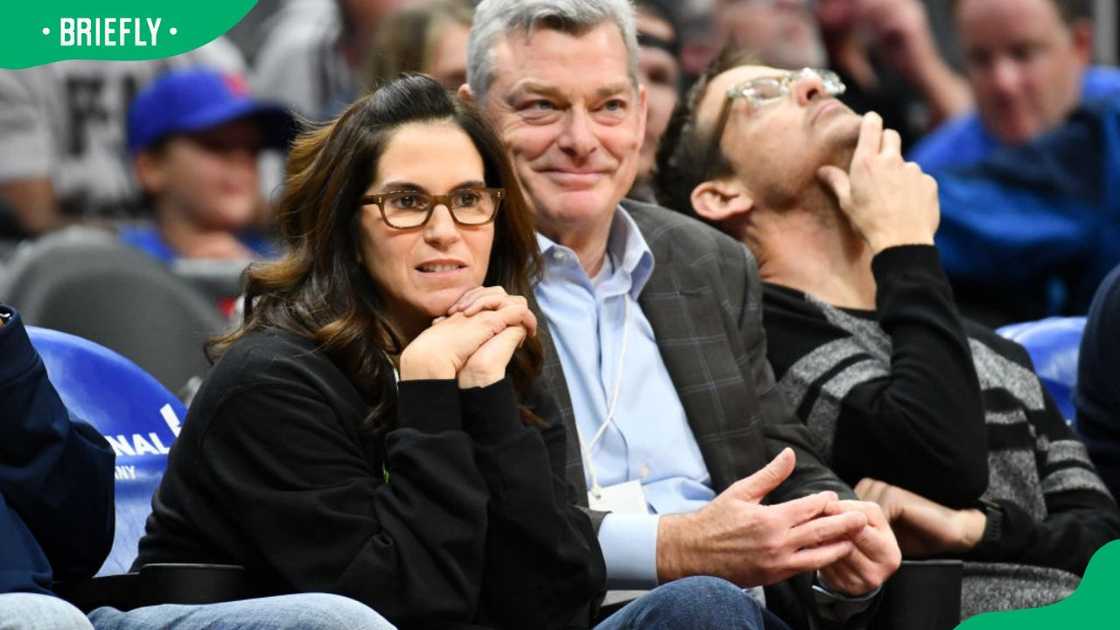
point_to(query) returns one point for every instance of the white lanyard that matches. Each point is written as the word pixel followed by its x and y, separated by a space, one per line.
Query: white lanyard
pixel 586 448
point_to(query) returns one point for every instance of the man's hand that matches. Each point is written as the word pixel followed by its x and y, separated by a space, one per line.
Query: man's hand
pixel 890 202
pixel 875 556
pixel 737 538
pixel 923 527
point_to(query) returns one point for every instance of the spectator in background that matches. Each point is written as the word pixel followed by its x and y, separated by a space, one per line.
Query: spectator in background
pixel 939 420
pixel 885 52
pixel 659 71
pixel 1027 62
pixel 195 136
pixel 430 37
pixel 316 69
pixel 1098 384
pixel 62 136
pixel 780 33
pixel 1031 230
pixel 56 490
pixel 1030 212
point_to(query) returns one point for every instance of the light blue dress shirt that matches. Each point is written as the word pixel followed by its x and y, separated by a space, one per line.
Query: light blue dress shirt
pixel 649 439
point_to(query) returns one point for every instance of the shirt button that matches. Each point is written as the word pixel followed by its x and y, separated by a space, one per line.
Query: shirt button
pixel 643 472
pixel 559 256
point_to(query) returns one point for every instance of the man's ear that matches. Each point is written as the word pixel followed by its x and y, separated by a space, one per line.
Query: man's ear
pixel 1082 33
pixel 149 172
pixel 465 94
pixel 718 200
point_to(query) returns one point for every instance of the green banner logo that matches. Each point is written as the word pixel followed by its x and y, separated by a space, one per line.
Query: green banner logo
pixel 116 30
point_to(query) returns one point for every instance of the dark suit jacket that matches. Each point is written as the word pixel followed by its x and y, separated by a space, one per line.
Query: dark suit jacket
pixel 56 477
pixel 704 302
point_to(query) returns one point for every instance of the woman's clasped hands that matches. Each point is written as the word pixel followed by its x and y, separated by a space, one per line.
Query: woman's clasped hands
pixel 474 342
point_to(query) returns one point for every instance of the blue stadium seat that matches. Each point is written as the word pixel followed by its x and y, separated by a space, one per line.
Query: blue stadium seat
pixel 141 419
pixel 137 414
pixel 1054 344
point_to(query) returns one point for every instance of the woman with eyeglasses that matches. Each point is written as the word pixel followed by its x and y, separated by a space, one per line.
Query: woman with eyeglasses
pixel 372 428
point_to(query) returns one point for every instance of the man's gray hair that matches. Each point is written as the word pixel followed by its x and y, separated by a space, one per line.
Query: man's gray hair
pixel 494 19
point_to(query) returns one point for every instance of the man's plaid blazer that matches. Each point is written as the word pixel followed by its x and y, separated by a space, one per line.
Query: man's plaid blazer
pixel 704 303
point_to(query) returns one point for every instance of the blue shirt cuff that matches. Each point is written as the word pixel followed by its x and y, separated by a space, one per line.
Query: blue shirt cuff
pixel 629 543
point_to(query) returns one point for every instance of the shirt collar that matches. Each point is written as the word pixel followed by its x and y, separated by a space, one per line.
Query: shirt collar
pixel 626 245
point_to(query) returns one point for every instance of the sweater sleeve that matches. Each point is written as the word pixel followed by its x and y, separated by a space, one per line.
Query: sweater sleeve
pixel 919 425
pixel 1081 515
pixel 56 473
pixel 544 565
pixel 407 540
pixel 900 400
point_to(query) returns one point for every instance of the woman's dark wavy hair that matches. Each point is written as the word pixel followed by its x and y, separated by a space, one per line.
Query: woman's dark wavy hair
pixel 320 291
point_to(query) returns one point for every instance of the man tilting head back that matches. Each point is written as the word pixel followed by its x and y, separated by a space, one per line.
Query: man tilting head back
pixel 940 421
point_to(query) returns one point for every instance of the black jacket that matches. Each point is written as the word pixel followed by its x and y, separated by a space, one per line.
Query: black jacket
pixel 56 476
pixel 458 515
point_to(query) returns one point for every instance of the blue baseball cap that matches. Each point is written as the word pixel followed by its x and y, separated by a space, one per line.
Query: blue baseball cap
pixel 196 99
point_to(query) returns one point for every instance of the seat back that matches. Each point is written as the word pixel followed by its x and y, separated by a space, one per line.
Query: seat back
pixel 137 414
pixel 1054 344
pixel 90 285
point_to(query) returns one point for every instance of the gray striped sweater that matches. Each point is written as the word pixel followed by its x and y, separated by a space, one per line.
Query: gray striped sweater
pixel 912 395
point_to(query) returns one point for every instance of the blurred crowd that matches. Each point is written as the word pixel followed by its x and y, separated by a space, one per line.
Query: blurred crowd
pixel 183 166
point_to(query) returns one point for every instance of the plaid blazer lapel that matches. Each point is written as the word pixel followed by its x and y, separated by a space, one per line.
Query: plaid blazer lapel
pixel 690 325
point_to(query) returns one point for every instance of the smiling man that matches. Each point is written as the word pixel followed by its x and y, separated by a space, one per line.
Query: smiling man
pixel 654 346
pixel 939 420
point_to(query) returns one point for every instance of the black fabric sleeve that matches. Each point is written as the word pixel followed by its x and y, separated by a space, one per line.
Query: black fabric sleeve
pixel 544 565
pixel 920 426
pixel 407 540
pixel 56 473
pixel 1081 514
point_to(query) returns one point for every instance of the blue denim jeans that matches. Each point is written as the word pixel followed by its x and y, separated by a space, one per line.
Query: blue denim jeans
pixel 31 611
pixel 305 611
pixel 694 603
